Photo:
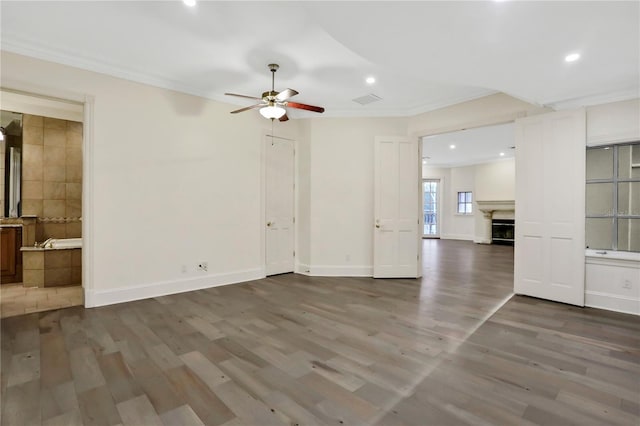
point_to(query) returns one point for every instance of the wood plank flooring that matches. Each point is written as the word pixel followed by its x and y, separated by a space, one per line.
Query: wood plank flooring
pixel 450 349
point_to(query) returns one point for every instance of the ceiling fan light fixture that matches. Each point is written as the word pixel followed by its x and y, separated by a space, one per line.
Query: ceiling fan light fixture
pixel 272 111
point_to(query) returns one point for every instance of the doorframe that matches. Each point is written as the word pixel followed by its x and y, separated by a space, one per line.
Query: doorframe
pixel 88 103
pixel 422 132
pixel 264 137
pixel 438 207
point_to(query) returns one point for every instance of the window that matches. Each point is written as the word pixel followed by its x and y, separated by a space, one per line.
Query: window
pixel 465 203
pixel 613 198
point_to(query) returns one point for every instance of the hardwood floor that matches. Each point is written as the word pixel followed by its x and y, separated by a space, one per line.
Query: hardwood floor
pixel 453 348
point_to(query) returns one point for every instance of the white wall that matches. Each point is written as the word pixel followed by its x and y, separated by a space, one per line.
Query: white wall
pixel 176 181
pixel 341 220
pixel 460 226
pixel 489 182
pixel 303 198
pixel 496 181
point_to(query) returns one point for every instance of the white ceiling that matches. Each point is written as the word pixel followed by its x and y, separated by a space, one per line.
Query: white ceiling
pixel 424 54
pixel 472 146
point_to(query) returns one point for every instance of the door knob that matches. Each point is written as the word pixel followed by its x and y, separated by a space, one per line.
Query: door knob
pixel 269 223
pixel 378 223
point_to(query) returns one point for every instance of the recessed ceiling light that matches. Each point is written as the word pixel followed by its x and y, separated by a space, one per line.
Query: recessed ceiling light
pixel 452 147
pixel 370 80
pixel 502 154
pixel 189 3
pixel 572 57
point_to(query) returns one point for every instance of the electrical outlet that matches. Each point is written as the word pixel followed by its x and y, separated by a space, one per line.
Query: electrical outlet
pixel 203 266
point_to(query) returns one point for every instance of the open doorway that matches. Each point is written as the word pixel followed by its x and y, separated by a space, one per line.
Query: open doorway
pixel 475 171
pixel 41 217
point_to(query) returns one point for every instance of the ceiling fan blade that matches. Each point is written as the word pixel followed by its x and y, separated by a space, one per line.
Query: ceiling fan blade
pixel 284 118
pixel 285 94
pixel 243 96
pixel 305 106
pixel 247 108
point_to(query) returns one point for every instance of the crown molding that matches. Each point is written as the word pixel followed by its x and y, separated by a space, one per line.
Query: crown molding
pixel 594 99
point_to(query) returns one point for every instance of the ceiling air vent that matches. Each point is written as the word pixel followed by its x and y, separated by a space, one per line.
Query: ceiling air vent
pixel 367 99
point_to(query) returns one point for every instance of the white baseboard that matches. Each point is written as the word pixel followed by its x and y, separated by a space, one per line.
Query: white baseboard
pixel 481 241
pixel 457 237
pixel 341 271
pixel 94 298
pixel 302 269
pixel 612 302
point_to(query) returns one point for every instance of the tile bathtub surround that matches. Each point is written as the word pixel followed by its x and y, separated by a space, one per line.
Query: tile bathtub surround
pixel 52 174
pixel 52 268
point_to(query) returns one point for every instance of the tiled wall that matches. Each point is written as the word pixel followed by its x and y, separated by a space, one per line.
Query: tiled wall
pixel 52 174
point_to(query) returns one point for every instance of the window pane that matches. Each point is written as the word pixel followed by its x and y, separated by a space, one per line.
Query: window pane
pixel 599 199
pixel 460 197
pixel 600 163
pixel 460 207
pixel 468 207
pixel 628 157
pixel 468 197
pixel 599 233
pixel 629 234
pixel 629 198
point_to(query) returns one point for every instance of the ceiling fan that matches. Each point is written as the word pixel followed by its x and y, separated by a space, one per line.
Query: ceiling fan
pixel 272 103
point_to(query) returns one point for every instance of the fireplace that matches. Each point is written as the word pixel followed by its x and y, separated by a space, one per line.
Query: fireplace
pixel 503 231
pixel 502 211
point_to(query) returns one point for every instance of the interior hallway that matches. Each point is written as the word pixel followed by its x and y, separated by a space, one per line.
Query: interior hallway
pixel 446 350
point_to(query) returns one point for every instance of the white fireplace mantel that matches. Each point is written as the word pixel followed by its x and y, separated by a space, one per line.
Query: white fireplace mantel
pixel 488 208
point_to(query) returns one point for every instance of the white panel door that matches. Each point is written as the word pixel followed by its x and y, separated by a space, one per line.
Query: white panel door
pixel 550 206
pixel 396 208
pixel 279 206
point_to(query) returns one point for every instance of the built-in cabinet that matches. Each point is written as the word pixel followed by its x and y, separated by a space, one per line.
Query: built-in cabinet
pixel 11 258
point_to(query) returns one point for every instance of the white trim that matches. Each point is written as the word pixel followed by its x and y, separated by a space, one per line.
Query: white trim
pixel 303 269
pixel 94 298
pixel 612 302
pixel 88 192
pixel 480 240
pixel 341 271
pixel 612 138
pixel 612 258
pixel 594 99
pixel 44 106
